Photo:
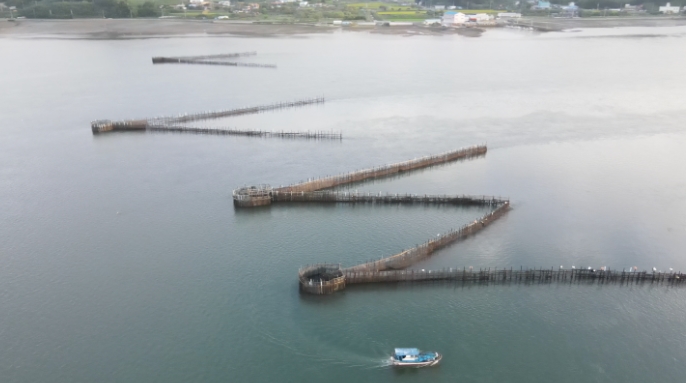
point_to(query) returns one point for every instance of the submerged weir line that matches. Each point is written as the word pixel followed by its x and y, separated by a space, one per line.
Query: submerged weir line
pixel 212 60
pixel 522 275
pixel 326 279
pixel 175 123
pixel 317 135
pixel 334 278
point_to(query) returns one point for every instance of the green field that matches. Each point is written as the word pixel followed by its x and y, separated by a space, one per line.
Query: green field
pixel 472 11
pixel 156 2
pixel 194 14
pixel 403 15
pixel 378 5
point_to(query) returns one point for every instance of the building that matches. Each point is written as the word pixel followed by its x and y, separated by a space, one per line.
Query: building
pixel 225 4
pixel 669 9
pixel 633 9
pixel 479 17
pixel 433 22
pixel 453 17
pixel 439 7
pixel 571 10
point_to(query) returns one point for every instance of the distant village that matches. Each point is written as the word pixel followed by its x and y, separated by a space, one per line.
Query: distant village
pixel 445 15
pixel 333 12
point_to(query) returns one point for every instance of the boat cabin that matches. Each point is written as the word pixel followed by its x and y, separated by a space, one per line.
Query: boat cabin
pixel 406 354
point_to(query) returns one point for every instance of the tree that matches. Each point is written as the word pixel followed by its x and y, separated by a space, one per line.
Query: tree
pixel 147 9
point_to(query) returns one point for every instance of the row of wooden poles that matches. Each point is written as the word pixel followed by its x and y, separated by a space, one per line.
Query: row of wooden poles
pixel 382 171
pixel 310 191
pixel 208 115
pixel 212 60
pixel 174 124
pixel 523 275
pixel 317 135
pixel 407 258
pixel 387 198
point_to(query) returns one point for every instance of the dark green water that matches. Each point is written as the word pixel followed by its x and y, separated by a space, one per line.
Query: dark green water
pixel 122 258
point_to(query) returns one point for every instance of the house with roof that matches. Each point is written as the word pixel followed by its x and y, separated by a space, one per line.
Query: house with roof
pixel 667 9
pixel 479 17
pixel 631 9
pixel 571 10
pixel 453 17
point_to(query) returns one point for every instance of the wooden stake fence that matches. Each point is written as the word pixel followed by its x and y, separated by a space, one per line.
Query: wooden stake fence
pixel 168 122
pixel 385 170
pixel 211 60
pixel 388 198
pixel 317 135
pixel 521 275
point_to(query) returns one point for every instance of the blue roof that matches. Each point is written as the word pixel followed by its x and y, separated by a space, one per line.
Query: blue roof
pixel 406 351
pixel 450 13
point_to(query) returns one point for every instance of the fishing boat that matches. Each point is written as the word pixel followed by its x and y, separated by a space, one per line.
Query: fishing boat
pixel 412 357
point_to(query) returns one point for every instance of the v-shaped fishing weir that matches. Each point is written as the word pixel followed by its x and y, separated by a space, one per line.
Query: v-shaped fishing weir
pixel 328 278
pixel 324 279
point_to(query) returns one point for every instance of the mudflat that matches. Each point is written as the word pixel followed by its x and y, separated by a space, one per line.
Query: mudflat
pixel 140 28
pixel 143 28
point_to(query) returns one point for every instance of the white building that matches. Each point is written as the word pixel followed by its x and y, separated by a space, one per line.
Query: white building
pixel 633 9
pixel 669 9
pixel 452 17
pixel 478 17
pixel 225 3
pixel 439 7
pixel 432 21
pixel 303 4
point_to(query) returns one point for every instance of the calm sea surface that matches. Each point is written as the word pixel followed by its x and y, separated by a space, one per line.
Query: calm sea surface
pixel 122 258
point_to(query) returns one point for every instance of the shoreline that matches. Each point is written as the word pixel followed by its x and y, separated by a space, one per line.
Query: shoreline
pixel 110 29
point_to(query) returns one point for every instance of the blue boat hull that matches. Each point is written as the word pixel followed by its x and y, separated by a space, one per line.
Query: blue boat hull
pixel 426 363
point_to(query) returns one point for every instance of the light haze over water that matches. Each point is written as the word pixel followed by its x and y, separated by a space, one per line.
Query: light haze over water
pixel 122 258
